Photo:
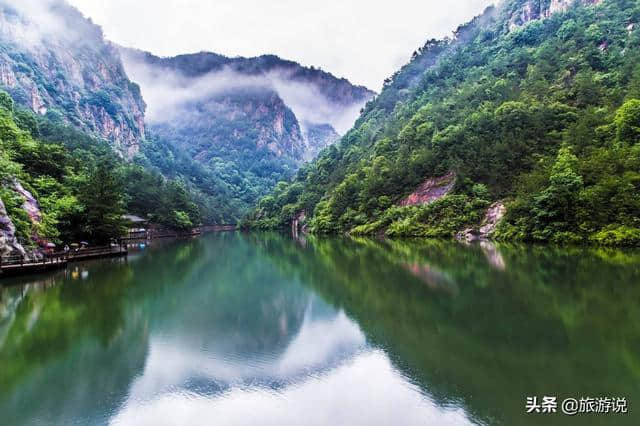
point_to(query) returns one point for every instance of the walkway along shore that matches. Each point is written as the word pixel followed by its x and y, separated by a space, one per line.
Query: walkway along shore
pixel 134 237
pixel 18 265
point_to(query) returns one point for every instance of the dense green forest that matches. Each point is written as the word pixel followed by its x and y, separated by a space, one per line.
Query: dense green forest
pixel 232 145
pixel 544 115
pixel 225 186
pixel 82 187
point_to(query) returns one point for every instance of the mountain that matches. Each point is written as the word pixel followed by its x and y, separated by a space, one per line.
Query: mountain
pixel 521 126
pixel 57 64
pixel 213 145
pixel 318 137
pixel 247 122
pixel 70 123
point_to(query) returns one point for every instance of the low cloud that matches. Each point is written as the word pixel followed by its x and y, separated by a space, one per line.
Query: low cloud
pixel 365 41
pixel 34 22
pixel 311 106
pixel 167 93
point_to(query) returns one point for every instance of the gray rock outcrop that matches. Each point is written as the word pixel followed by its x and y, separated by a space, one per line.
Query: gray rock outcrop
pixel 9 244
pixel 492 217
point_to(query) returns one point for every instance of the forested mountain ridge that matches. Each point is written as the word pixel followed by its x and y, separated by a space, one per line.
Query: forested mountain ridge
pixel 533 105
pixel 234 127
pixel 338 90
pixel 71 121
pixel 75 153
pixel 56 63
pixel 59 185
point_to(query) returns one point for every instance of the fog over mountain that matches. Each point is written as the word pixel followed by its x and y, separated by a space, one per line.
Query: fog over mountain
pixel 234 127
pixel 167 91
pixel 56 63
pixel 214 107
pixel 364 41
pixel 39 20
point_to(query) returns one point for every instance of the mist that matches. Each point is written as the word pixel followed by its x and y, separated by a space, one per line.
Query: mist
pixel 363 41
pixel 167 93
pixel 46 22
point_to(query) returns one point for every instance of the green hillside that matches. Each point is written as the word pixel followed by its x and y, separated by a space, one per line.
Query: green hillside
pixel 57 184
pixel 231 128
pixel 539 110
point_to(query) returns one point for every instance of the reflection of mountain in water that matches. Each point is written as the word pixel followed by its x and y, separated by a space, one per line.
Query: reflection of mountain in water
pixel 202 316
pixel 259 319
pixel 66 344
pixel 234 321
pixel 317 345
pixel 533 328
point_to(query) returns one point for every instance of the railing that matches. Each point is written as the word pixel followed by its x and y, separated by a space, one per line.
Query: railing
pixel 137 235
pixel 96 252
pixel 219 228
pixel 61 257
pixel 46 258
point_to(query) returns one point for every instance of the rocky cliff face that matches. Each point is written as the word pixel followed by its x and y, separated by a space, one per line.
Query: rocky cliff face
pixel 493 215
pixel 318 137
pixel 291 110
pixel 8 241
pixel 56 63
pixel 229 123
pixel 430 190
pixel 530 10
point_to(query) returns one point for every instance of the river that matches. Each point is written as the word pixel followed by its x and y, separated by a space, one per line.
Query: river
pixel 252 329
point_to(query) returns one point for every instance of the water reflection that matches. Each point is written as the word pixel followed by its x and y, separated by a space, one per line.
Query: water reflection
pixel 492 325
pixel 433 277
pixel 380 399
pixel 493 255
pixel 214 365
pixel 264 329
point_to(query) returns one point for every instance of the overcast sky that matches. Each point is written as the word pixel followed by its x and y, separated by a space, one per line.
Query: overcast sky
pixel 362 40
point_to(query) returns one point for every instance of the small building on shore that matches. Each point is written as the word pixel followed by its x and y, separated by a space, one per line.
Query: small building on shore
pixel 136 225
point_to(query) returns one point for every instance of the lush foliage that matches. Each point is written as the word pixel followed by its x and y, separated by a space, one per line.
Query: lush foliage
pixel 71 75
pixel 233 144
pixel 83 188
pixel 228 183
pixel 546 116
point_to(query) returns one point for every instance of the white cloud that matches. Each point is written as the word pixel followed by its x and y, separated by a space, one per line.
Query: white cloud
pixel 309 105
pixel 362 40
pixel 347 395
pixel 43 21
pixel 167 92
pixel 173 361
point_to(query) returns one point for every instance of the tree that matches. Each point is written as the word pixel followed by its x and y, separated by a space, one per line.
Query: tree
pixel 627 121
pixel 555 207
pixel 8 130
pixel 102 196
pixel 180 220
pixel 26 121
pixel 6 101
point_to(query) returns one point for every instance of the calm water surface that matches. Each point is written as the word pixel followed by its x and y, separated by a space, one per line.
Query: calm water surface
pixel 252 329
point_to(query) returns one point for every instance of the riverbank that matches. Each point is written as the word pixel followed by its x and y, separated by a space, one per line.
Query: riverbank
pixel 19 265
pixel 487 227
pixel 155 232
pixel 40 260
pixel 312 324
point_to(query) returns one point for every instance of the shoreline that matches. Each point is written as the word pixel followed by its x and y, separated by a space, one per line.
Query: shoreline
pixel 58 261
